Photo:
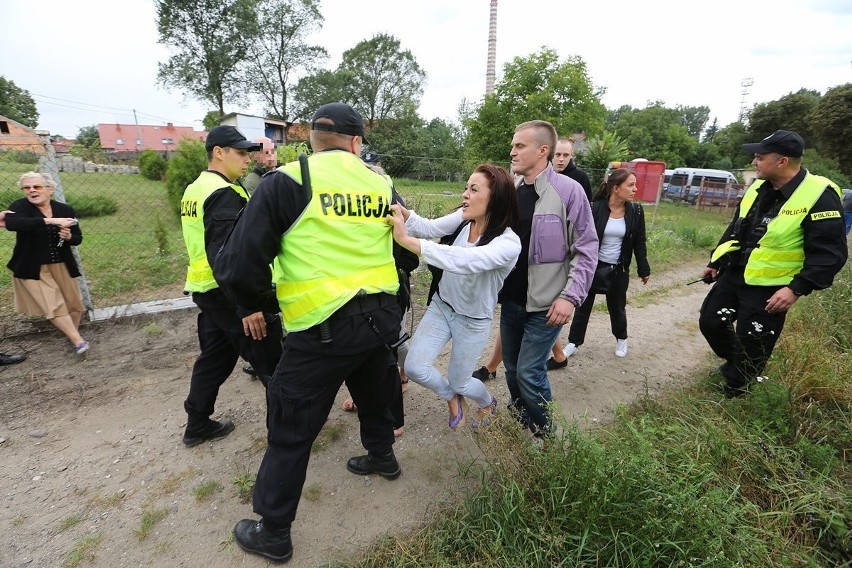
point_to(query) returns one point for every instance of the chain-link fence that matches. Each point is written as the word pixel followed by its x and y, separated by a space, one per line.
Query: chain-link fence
pixel 132 251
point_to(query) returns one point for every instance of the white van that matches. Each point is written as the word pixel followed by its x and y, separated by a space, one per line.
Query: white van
pixel 685 183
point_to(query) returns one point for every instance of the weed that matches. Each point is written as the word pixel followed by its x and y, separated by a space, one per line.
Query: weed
pixel 327 436
pixel 83 551
pixel 108 501
pixel 153 329
pixel 150 518
pixel 18 521
pixel 175 480
pixel 312 492
pixel 72 521
pixel 244 484
pixel 206 490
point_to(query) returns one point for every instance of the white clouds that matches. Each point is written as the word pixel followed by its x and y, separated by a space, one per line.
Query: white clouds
pixel 104 53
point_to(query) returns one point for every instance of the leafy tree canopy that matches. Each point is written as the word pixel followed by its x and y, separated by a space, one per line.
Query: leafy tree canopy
pixel 831 122
pixel 17 104
pixel 208 40
pixel 280 51
pixel 537 87
pixel 790 112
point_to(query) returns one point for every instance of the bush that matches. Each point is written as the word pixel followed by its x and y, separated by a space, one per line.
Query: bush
pixel 86 206
pixel 152 165
pixel 189 160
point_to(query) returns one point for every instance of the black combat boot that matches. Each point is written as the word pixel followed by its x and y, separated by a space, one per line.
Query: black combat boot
pixel 383 464
pixel 198 431
pixel 260 539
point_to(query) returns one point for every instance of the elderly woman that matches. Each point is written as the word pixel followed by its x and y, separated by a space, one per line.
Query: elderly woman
pixel 43 267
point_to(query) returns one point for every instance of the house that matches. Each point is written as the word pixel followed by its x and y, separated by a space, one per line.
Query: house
pixel 253 127
pixel 15 137
pixel 135 138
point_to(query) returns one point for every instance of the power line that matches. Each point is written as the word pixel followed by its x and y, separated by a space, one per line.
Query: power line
pixel 123 111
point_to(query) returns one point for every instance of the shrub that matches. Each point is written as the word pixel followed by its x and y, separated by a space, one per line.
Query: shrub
pixel 152 165
pixel 189 160
pixel 87 206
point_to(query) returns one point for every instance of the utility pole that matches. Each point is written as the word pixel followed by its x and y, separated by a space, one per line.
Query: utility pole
pixel 138 132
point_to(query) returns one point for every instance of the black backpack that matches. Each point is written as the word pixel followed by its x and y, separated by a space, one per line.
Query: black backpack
pixel 437 272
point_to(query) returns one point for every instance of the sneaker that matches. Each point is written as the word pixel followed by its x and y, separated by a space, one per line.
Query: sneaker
pixel 212 430
pixel 254 537
pixel 484 374
pixel 621 348
pixel 384 465
pixel 81 347
pixel 553 364
pixel 570 350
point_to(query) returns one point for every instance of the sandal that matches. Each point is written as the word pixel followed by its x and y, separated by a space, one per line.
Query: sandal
pixel 349 405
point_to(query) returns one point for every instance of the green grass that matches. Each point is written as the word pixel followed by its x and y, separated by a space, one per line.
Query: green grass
pixel 327 436
pixel 686 479
pixel 244 485
pixel 150 519
pixel 71 521
pixel 205 491
pixel 83 551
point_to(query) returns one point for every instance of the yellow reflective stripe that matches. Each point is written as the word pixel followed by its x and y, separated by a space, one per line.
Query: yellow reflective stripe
pixel 299 299
pixel 723 249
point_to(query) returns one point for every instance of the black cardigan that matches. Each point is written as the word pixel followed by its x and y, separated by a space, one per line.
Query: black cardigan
pixel 31 238
pixel 634 240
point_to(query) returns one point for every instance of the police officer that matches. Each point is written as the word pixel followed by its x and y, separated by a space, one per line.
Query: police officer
pixel 225 331
pixel 335 285
pixel 786 240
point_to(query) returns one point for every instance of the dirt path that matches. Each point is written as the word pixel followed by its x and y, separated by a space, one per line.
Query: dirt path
pixel 87 448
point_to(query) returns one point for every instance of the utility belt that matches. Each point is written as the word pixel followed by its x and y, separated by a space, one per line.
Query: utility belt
pixel 362 304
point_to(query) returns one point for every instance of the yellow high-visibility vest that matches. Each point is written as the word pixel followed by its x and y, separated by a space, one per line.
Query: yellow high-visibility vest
pixel 199 274
pixel 340 245
pixel 780 253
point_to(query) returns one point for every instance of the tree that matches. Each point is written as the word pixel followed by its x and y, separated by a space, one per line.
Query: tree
pixel 88 145
pixel 790 112
pixel 209 40
pixel 189 160
pixel 658 133
pixel 384 79
pixel 88 136
pixel 539 86
pixel 211 119
pixel 315 90
pixel 17 104
pixel 152 165
pixel 280 50
pixel 831 121
pixel 598 155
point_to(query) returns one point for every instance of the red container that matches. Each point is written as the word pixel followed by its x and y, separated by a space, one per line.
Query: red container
pixel 649 178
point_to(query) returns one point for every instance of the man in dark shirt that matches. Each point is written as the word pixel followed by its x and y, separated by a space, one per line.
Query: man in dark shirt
pixel 786 240
pixel 563 162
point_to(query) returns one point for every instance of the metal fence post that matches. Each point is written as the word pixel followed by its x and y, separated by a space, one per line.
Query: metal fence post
pixel 47 164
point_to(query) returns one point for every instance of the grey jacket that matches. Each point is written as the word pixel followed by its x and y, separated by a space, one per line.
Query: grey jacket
pixel 563 243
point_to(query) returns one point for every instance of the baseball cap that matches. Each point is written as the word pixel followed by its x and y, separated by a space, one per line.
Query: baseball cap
pixel 226 136
pixel 784 142
pixel 346 120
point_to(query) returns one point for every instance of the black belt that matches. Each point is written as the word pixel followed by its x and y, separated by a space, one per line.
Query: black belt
pixel 363 304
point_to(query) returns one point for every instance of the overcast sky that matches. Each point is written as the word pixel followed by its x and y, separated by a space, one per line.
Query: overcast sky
pixel 90 61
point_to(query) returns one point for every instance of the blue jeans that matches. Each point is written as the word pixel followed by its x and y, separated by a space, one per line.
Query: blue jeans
pixel 526 341
pixel 439 325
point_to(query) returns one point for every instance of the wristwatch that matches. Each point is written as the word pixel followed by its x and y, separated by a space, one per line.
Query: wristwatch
pixel 796 292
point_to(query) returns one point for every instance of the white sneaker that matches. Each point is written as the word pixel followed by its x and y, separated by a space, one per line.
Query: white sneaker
pixel 621 348
pixel 570 349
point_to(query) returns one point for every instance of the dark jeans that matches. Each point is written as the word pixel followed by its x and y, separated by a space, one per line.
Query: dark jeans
pixel 302 392
pixel 222 341
pixel 527 340
pixel 746 346
pixel 616 304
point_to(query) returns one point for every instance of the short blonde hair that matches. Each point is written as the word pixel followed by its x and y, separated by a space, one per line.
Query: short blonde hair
pixel 48 179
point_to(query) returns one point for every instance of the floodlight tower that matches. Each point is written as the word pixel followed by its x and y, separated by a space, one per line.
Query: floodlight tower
pixel 490 71
pixel 745 84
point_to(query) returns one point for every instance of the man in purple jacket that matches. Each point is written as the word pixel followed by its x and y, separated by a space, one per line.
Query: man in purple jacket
pixel 554 272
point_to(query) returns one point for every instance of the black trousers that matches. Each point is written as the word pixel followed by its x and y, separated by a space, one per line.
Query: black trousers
pixel 616 304
pixel 222 341
pixel 301 395
pixel 736 325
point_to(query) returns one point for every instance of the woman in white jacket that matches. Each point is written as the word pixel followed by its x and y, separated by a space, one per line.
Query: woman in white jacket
pixel 474 267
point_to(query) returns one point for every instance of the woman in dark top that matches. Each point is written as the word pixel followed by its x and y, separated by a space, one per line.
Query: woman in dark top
pixel 43 267
pixel 620 224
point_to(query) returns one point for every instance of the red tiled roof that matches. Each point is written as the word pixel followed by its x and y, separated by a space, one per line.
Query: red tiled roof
pixel 153 137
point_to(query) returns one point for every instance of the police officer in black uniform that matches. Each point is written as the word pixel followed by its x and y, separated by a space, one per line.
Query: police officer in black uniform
pixel 325 227
pixel 786 240
pixel 225 330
